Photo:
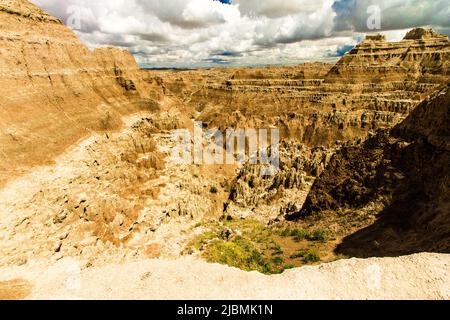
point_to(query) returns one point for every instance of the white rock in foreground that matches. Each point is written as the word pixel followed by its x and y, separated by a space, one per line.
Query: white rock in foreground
pixel 419 276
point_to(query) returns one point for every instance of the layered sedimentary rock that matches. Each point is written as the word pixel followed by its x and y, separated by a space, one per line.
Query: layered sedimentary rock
pixel 54 90
pixel 422 57
pixel 373 87
pixel 401 176
pixel 318 108
pixel 109 195
pixel 269 197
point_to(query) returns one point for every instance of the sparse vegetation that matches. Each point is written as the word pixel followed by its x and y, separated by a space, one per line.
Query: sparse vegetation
pixel 203 239
pixel 251 245
pixel 289 266
pixel 277 250
pixel 285 233
pixel 299 235
pixel 213 190
pixel 310 255
pixel 318 235
pixel 240 253
pixel 278 260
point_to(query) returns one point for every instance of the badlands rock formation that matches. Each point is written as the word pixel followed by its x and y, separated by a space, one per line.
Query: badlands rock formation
pixel 87 188
pixel 401 176
pixel 375 86
pixel 98 191
pixel 54 90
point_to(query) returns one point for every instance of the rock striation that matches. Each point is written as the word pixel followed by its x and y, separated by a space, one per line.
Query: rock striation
pixel 422 57
pixel 54 90
pixel 375 86
pixel 401 176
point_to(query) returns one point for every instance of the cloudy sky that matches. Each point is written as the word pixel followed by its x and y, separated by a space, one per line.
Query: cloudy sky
pixel 208 33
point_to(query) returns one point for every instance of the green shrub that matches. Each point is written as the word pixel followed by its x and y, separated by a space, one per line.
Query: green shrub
pixel 278 260
pixel 213 190
pixel 203 239
pixel 318 235
pixel 285 232
pixel 310 255
pixel 289 266
pixel 299 235
pixel 277 250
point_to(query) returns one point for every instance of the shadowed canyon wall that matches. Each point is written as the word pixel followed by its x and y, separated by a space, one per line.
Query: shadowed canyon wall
pixel 401 176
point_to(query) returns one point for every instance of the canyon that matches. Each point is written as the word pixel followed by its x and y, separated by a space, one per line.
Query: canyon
pixel 89 197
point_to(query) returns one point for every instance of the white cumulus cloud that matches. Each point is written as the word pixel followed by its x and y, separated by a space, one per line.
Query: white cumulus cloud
pixel 196 33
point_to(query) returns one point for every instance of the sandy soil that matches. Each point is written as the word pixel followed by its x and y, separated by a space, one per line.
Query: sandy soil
pixel 420 276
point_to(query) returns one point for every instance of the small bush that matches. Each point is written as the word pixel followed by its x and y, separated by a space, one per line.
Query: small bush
pixel 213 190
pixel 278 260
pixel 299 235
pixel 277 250
pixel 310 255
pixel 203 239
pixel 239 253
pixel 285 233
pixel 318 235
pixel 289 266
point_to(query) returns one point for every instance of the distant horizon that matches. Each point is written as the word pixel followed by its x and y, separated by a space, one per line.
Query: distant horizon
pixel 193 34
pixel 290 64
pixel 331 60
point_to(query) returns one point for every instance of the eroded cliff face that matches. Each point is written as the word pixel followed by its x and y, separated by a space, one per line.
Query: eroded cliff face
pixel 319 108
pixel 54 90
pixel 373 87
pixel 421 58
pixel 400 177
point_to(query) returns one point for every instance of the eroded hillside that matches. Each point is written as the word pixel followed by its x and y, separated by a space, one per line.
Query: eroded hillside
pixel 55 91
pixel 399 176
pixel 374 86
